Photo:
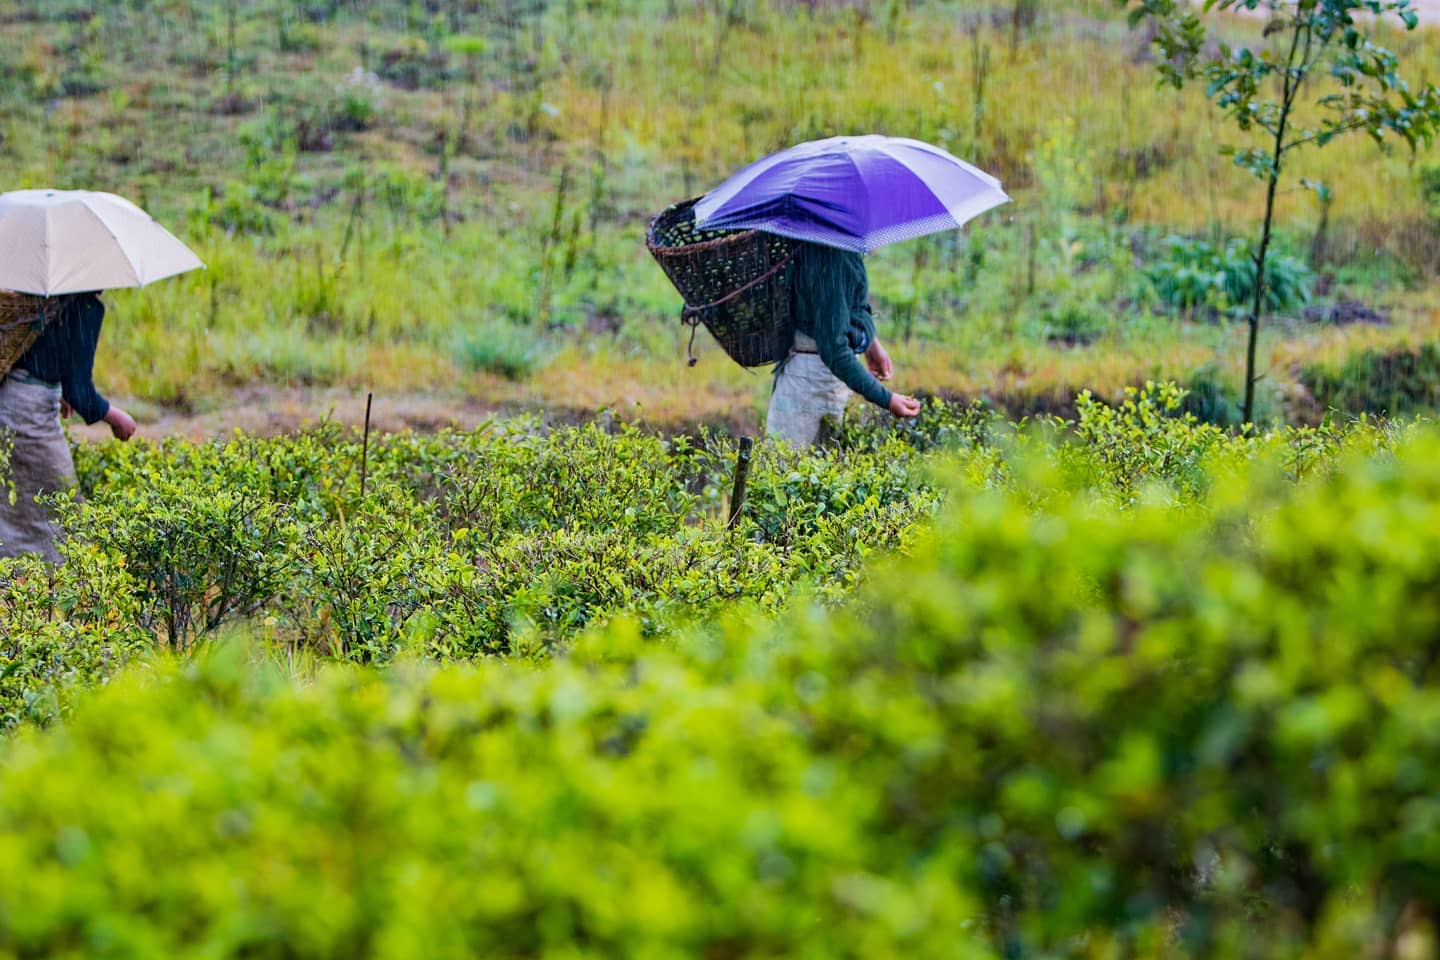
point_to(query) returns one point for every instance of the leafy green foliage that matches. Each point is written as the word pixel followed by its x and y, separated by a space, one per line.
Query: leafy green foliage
pixel 1143 438
pixel 1193 273
pixel 202 554
pixel 1394 382
pixel 1329 37
pixel 1056 719
pixel 514 539
pixel 62 630
pixel 464 542
pixel 1076 324
pixel 1318 39
pixel 503 349
pixel 1428 176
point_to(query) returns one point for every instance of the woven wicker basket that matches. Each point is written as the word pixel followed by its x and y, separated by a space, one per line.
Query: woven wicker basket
pixel 22 317
pixel 735 282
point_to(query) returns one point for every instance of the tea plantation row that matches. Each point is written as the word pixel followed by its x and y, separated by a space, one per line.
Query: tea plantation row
pixel 1138 688
pixel 506 540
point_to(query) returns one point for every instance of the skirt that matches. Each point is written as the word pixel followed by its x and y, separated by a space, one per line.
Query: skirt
pixel 806 392
pixel 39 464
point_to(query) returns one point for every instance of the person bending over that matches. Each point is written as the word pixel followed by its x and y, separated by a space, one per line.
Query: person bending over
pixel 51 378
pixel 829 296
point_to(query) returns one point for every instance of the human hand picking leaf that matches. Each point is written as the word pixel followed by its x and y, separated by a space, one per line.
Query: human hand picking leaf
pixel 903 406
pixel 122 425
pixel 879 361
pixel 880 364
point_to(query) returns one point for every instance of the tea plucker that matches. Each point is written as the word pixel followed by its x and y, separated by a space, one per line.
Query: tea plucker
pixel 834 329
pixel 53 378
pixel 842 197
pixel 63 245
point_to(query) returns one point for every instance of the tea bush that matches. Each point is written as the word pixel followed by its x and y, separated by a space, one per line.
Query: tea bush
pixel 464 540
pixel 62 630
pixel 1144 437
pixel 461 539
pixel 200 553
pixel 1059 724
pixel 515 538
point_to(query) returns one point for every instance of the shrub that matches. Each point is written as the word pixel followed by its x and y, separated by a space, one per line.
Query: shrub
pixel 204 545
pixel 1146 438
pixel 1397 381
pixel 469 543
pixel 1075 324
pixel 1052 727
pixel 1427 176
pixel 358 100
pixel 200 557
pixel 466 541
pixel 1211 398
pixel 62 630
pixel 790 494
pixel 410 64
pixel 240 210
pixel 1192 274
pixel 503 349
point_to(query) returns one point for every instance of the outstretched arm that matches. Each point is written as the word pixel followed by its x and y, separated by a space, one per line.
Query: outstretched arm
pixel 878 360
pixel 830 296
pixel 81 334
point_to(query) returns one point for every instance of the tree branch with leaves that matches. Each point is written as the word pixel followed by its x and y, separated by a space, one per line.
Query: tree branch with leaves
pixel 1325 45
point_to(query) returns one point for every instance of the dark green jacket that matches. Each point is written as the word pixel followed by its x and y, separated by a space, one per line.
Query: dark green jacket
pixel 65 352
pixel 829 299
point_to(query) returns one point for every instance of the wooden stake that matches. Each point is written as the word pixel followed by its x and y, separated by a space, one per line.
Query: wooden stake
pixel 365 445
pixel 742 473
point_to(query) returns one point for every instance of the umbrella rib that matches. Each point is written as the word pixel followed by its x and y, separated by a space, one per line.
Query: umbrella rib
pixel 45 254
pixel 865 193
pixel 885 149
pixel 118 245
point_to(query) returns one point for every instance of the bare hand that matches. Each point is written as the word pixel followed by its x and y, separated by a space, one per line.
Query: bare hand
pixel 122 426
pixel 879 361
pixel 903 406
pixel 66 411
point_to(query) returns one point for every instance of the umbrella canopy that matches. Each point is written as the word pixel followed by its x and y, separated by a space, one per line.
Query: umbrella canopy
pixel 855 193
pixel 72 241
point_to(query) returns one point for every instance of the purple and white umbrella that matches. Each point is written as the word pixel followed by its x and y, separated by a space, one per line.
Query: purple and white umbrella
pixel 855 193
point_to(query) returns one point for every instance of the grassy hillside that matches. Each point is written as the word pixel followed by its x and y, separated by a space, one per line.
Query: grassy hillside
pixel 451 197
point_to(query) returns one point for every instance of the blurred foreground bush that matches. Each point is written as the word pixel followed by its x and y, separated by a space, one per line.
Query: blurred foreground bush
pixel 1061 724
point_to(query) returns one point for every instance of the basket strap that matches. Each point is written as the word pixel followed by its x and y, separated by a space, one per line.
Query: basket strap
pixel 34 321
pixel 693 315
pixel 37 319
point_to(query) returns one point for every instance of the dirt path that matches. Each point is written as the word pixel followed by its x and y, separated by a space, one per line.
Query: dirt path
pixel 272 410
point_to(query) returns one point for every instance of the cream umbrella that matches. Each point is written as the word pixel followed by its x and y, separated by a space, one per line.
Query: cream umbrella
pixel 72 241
